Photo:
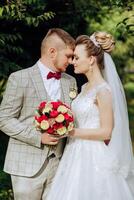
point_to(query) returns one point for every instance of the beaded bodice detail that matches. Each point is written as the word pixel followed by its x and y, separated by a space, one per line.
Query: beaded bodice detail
pixel 85 106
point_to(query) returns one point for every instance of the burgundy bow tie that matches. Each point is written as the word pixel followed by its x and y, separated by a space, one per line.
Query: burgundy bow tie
pixel 56 75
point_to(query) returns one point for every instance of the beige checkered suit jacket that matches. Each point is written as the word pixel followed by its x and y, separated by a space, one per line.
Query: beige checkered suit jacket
pixel 25 90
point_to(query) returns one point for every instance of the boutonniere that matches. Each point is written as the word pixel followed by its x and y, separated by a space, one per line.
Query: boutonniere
pixel 72 93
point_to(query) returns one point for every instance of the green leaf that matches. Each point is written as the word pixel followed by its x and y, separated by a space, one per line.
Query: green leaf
pixel 1 11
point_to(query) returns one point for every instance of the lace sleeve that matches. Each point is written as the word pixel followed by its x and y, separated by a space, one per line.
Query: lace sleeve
pixel 103 87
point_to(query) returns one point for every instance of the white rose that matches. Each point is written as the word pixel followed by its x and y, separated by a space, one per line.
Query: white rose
pixel 60 118
pixel 44 125
pixel 62 131
pixel 71 126
pixel 62 109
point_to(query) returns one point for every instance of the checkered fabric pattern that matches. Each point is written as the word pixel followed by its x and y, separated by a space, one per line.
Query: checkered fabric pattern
pixel 24 92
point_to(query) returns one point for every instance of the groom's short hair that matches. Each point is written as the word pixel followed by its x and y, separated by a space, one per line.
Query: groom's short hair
pixel 63 35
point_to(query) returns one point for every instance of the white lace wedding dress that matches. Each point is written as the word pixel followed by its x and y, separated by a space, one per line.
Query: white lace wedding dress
pixel 88 170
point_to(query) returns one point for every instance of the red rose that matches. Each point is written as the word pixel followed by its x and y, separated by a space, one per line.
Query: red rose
pixel 50 130
pixel 36 118
pixel 71 119
pixel 54 113
pixel 44 117
pixel 67 124
pixel 42 105
pixel 56 104
pixel 68 118
pixel 60 125
pixel 57 125
pixel 39 119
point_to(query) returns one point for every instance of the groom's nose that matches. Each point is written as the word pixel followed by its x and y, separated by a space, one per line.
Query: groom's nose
pixel 70 60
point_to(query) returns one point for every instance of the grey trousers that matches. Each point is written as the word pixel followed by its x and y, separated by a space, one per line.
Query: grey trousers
pixel 36 187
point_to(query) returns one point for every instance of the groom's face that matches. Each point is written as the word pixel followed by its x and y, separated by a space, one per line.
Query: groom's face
pixel 63 58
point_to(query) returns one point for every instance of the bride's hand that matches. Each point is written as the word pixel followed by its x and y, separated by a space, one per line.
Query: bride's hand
pixel 71 133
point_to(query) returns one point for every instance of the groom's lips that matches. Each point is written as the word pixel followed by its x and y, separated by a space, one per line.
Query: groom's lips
pixel 66 66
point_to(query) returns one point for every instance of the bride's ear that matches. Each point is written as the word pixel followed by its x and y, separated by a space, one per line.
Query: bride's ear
pixel 92 60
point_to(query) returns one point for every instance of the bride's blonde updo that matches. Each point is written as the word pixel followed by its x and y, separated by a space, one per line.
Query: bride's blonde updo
pixel 96 44
pixel 105 40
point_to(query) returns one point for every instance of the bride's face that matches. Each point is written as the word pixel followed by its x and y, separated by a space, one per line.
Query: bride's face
pixel 81 61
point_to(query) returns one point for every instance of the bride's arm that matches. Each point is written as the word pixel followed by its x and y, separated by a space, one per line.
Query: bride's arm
pixel 104 102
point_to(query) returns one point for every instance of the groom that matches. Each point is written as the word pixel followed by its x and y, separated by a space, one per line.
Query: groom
pixel 29 159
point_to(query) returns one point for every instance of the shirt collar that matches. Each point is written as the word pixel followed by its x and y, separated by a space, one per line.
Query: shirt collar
pixel 43 69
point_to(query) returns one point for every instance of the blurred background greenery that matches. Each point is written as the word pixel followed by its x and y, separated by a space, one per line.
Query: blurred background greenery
pixel 24 23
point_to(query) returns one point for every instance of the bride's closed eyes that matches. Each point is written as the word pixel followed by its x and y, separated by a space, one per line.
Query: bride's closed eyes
pixel 76 57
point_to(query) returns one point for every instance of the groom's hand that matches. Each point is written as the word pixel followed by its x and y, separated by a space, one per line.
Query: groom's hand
pixel 49 139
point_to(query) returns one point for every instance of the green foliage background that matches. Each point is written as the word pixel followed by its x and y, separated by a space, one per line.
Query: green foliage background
pixel 24 23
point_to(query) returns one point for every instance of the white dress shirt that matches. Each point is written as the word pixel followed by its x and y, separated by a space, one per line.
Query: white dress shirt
pixel 53 86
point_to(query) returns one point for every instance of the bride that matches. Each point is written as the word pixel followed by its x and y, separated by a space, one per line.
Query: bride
pixel 98 161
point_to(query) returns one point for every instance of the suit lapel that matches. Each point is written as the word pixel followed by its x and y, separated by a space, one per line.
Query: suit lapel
pixel 38 83
pixel 35 75
pixel 65 90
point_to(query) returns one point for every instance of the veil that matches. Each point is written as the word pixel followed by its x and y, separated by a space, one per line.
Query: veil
pixel 120 142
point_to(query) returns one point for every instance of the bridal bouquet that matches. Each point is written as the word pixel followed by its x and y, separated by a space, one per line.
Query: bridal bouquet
pixel 55 118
